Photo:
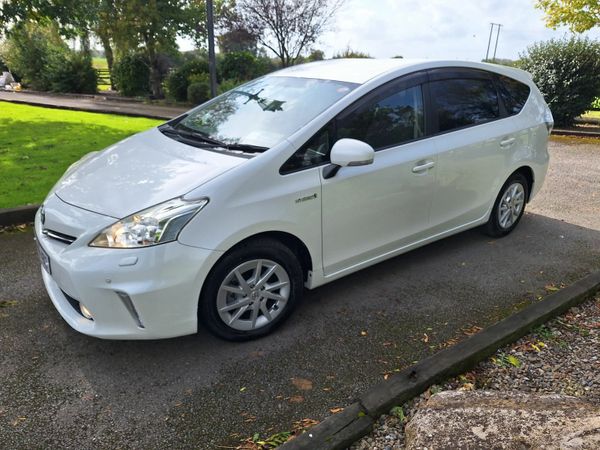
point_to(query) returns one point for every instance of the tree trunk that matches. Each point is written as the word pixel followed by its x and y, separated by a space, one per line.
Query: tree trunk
pixel 108 54
pixel 155 75
pixel 84 40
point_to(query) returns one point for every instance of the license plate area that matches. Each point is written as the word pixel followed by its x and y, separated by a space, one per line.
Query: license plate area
pixel 44 258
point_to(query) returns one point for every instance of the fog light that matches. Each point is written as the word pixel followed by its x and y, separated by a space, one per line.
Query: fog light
pixel 85 312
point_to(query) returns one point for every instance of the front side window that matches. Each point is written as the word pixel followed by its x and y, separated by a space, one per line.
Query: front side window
pixel 386 121
pixel 463 102
pixel 265 111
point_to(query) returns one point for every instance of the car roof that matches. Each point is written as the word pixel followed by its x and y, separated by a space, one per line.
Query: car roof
pixel 361 70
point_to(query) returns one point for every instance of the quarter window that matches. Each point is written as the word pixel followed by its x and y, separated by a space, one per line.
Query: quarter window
pixel 514 94
pixel 387 120
pixel 464 102
pixel 315 152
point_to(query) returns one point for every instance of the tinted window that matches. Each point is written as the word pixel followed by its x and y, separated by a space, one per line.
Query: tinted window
pixel 387 120
pixel 313 153
pixel 514 94
pixel 463 102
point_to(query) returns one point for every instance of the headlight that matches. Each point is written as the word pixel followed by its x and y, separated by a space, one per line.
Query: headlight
pixel 155 225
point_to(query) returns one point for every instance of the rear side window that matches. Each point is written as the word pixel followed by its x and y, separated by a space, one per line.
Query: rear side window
pixel 390 119
pixel 514 94
pixel 463 102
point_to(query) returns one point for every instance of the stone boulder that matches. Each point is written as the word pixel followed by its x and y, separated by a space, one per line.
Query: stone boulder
pixel 503 420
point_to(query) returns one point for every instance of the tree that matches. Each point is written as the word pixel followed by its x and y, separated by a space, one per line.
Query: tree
pixel 233 33
pixel 287 27
pixel 578 15
pixel 566 72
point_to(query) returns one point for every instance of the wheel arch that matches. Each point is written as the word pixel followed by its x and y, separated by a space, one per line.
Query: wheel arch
pixel 295 244
pixel 527 172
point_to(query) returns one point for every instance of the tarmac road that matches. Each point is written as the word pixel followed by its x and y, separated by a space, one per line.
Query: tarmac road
pixel 61 389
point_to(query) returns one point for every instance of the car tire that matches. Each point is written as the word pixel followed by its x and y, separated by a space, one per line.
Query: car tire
pixel 238 305
pixel 508 207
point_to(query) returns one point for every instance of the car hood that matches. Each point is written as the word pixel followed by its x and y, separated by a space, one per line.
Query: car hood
pixel 139 172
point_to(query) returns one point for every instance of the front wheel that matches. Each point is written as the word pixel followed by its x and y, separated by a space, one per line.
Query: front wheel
pixel 251 291
pixel 509 206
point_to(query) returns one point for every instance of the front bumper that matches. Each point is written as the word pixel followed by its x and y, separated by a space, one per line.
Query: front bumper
pixel 162 284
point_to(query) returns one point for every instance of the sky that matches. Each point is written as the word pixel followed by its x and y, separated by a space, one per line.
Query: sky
pixel 436 29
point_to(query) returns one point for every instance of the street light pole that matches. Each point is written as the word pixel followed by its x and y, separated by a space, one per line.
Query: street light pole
pixel 212 65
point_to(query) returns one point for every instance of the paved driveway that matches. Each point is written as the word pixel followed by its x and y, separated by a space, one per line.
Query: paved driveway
pixel 62 389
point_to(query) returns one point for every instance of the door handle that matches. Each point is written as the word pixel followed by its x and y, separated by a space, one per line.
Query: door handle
pixel 507 142
pixel 423 167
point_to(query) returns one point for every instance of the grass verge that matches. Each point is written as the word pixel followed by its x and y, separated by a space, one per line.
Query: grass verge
pixel 38 144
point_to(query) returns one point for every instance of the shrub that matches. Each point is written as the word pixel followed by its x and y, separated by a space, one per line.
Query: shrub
pixel 239 66
pixel 198 92
pixel 131 75
pixel 227 85
pixel 178 81
pixel 72 73
pixel 349 53
pixel 30 50
pixel 596 103
pixel 566 72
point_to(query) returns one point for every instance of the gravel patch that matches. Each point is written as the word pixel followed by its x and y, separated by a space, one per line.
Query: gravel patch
pixel 560 357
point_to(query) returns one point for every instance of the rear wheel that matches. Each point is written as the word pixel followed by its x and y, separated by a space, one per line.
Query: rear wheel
pixel 509 206
pixel 251 290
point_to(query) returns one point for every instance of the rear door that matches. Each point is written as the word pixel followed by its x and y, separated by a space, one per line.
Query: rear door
pixel 474 144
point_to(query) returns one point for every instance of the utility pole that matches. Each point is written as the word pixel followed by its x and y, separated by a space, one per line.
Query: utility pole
pixel 212 64
pixel 496 46
pixel 487 53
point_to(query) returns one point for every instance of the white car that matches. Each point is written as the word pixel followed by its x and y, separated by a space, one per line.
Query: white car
pixel 224 215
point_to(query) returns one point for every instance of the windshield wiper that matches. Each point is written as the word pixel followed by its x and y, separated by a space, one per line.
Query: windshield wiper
pixel 209 142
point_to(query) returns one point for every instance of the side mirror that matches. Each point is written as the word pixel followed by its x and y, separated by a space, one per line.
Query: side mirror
pixel 349 152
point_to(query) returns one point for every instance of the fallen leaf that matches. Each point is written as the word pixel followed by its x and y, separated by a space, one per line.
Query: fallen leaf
pixel 296 399
pixel 471 331
pixel 335 410
pixel 364 333
pixel 302 383
pixel 513 361
pixel 242 389
pixel 551 288
pixel 7 303
pixel 425 338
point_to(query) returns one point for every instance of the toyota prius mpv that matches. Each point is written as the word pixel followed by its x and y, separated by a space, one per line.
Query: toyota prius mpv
pixel 224 215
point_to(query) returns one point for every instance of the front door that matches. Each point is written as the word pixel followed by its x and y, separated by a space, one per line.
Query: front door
pixel 371 211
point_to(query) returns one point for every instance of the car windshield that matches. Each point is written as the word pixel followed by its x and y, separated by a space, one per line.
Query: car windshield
pixel 265 111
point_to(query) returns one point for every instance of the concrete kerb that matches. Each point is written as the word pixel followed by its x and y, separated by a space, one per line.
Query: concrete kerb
pixel 341 430
pixel 17 216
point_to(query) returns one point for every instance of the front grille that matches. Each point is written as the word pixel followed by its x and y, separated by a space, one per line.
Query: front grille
pixel 64 238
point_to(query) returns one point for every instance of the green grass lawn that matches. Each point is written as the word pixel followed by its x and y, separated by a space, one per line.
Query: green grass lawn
pixel 101 63
pixel 592 115
pixel 38 144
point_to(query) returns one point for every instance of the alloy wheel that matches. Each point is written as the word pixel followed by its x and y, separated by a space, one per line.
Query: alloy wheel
pixel 253 294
